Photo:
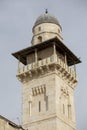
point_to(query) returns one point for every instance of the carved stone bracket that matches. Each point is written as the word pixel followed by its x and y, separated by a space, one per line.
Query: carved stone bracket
pixel 47 66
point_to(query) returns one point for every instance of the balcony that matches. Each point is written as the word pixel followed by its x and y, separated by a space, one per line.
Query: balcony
pixel 54 59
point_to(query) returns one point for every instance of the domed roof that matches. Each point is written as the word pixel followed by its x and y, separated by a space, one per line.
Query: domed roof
pixel 46 18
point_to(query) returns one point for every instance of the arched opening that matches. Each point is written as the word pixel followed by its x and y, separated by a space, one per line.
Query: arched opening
pixel 39 39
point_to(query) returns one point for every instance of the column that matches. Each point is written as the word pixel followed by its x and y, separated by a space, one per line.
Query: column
pixel 54 52
pixel 35 55
pixel 30 102
pixel 65 58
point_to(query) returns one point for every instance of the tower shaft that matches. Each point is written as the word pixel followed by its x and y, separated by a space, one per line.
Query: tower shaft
pixel 48 79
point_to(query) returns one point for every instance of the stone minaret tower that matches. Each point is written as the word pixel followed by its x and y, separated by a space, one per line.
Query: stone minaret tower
pixel 47 72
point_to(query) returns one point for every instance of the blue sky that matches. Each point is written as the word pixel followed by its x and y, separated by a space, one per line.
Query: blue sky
pixel 17 18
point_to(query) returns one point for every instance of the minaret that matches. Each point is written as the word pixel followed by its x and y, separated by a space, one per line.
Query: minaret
pixel 46 70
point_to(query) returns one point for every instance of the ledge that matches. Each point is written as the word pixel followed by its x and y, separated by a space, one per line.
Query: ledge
pixel 47 65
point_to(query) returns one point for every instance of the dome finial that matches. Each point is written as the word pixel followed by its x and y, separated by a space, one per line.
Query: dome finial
pixel 46 11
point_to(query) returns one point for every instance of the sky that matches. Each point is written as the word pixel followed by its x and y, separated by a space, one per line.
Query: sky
pixel 17 18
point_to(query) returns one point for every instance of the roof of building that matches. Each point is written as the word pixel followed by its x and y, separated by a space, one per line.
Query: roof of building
pixel 12 124
pixel 71 58
pixel 46 18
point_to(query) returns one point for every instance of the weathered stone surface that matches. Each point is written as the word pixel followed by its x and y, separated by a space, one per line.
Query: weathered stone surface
pixel 47 31
pixel 48 83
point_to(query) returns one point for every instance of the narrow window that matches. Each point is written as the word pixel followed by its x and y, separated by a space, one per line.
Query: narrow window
pixel 69 110
pixel 58 30
pixel 39 106
pixel 46 103
pixel 39 28
pixel 63 109
pixel 30 108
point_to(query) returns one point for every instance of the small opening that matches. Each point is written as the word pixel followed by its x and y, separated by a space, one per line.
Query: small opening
pixel 39 28
pixel 39 106
pixel 58 30
pixel 39 39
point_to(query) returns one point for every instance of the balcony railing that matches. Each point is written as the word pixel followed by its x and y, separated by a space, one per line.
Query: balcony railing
pixel 48 61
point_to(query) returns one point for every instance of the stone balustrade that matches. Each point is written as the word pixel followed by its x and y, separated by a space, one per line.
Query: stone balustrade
pixel 46 62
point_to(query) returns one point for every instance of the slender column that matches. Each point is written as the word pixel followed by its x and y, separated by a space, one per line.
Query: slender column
pixel 65 59
pixel 35 55
pixel 54 49
pixel 54 52
pixel 30 102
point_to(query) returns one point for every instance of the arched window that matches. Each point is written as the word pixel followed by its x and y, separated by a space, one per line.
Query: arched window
pixel 39 39
pixel 30 108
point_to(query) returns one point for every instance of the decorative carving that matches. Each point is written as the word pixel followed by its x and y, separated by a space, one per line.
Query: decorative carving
pixel 38 90
pixel 46 66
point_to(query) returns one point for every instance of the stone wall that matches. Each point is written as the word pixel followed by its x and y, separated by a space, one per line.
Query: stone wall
pixel 47 31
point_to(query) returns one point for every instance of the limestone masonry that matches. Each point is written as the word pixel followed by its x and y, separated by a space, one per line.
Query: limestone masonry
pixel 47 71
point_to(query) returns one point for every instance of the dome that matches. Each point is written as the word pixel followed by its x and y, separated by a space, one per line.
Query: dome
pixel 46 18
